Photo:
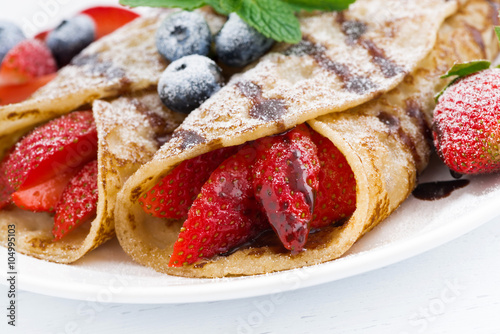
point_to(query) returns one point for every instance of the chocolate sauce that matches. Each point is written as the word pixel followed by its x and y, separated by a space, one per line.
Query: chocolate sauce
pixel 262 108
pixel 298 180
pixel 353 83
pixel 437 190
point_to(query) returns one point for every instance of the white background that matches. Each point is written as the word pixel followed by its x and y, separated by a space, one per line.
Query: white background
pixel 452 289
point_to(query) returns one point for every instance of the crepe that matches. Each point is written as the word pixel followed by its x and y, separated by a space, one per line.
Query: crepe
pixel 130 130
pixel 345 60
pixel 124 61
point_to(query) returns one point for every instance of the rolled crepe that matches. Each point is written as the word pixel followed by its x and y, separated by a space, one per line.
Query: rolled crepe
pixel 372 77
pixel 125 61
pixel 130 130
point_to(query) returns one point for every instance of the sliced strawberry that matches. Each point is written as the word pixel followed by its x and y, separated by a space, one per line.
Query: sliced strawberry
pixel 41 36
pixel 336 197
pixel 44 196
pixel 61 145
pixel 5 188
pixel 224 216
pixel 173 195
pixel 26 61
pixel 286 181
pixel 20 92
pixel 108 19
pixel 78 202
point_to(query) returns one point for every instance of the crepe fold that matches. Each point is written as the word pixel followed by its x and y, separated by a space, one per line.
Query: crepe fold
pixel 125 61
pixel 130 130
pixel 364 78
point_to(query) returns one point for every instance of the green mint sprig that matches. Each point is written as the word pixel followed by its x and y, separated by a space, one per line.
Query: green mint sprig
pixel 273 18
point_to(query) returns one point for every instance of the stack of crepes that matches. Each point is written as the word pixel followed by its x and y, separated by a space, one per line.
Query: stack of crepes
pixel 365 78
pixel 132 123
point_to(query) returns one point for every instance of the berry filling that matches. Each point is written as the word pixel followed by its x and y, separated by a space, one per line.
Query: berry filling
pixel 290 183
pixel 28 64
pixel 54 169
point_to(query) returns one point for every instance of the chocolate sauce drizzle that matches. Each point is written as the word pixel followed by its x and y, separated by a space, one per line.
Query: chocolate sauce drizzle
pixel 264 109
pixel 437 190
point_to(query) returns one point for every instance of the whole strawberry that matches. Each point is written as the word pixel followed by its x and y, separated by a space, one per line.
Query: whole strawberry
pixel 466 127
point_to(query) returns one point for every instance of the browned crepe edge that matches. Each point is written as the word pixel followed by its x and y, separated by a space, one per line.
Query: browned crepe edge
pixel 120 154
pixel 149 241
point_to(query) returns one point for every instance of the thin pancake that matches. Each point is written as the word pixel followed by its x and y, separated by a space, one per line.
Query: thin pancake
pixel 130 130
pixel 383 141
pixel 125 61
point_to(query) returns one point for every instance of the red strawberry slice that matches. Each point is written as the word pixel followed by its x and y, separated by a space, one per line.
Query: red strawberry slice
pixel 59 146
pixel 286 180
pixel 173 195
pixel 42 36
pixel 78 202
pixel 5 188
pixel 336 197
pixel 108 19
pixel 224 216
pixel 26 61
pixel 20 92
pixel 44 196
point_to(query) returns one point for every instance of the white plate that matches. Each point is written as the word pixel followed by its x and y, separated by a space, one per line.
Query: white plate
pixel 108 275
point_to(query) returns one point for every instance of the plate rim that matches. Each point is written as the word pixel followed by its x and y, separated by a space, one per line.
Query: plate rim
pixel 210 290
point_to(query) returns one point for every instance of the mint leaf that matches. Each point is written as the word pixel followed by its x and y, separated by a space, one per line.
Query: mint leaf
pixel 224 7
pixel 310 5
pixel 464 69
pixel 184 4
pixel 230 6
pixel 497 31
pixel 272 18
pixel 461 70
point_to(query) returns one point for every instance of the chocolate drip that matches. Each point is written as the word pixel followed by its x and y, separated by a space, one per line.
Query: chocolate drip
pixel 437 190
pixel 298 179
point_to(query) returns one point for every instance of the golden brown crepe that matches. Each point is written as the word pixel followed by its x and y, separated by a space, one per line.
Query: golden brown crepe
pixel 384 52
pixel 124 61
pixel 130 130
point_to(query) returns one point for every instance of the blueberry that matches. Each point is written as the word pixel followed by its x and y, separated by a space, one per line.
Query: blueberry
pixel 183 34
pixel 70 37
pixel 10 36
pixel 187 82
pixel 238 44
